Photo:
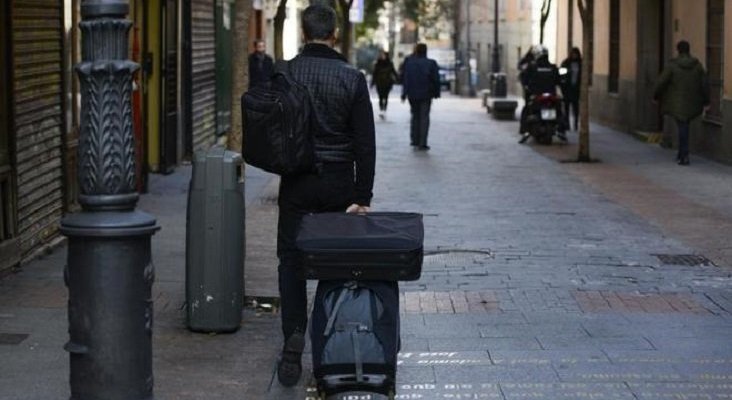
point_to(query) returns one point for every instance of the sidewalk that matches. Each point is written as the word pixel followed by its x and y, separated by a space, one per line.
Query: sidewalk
pixel 542 279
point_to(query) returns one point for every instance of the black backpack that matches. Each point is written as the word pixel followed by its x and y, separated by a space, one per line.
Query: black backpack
pixel 279 120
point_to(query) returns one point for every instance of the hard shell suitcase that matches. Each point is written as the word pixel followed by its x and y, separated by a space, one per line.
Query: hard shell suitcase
pixel 355 336
pixel 215 242
pixel 373 246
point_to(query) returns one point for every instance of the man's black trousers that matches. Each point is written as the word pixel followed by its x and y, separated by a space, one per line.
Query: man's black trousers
pixel 420 124
pixel 330 190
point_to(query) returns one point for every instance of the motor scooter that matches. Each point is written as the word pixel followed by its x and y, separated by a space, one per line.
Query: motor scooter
pixel 544 117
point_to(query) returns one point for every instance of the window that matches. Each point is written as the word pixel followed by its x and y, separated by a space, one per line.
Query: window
pixel 715 57
pixel 613 77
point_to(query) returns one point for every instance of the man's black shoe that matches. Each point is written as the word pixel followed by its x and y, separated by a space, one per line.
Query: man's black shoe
pixel 684 161
pixel 524 138
pixel 425 147
pixel 289 367
pixel 562 136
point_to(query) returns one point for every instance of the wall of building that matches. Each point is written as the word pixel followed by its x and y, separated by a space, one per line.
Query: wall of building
pixel 515 33
pixel 601 37
pixel 562 31
pixel 628 39
pixel 728 54
pixel 689 22
pixel 727 102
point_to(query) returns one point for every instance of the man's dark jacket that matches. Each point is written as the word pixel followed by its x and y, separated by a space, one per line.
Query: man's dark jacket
pixel 342 100
pixel 261 68
pixel 542 77
pixel 683 88
pixel 421 80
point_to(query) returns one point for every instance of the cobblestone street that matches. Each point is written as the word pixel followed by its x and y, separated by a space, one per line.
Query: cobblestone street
pixel 543 279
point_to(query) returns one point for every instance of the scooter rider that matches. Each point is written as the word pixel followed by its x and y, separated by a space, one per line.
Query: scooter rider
pixel 542 77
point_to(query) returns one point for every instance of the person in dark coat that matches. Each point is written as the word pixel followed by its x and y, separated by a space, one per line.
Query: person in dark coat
pixel 261 65
pixel 384 77
pixel 571 82
pixel 346 154
pixel 420 84
pixel 683 91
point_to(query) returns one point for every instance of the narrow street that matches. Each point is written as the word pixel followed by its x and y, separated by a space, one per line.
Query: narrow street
pixel 543 279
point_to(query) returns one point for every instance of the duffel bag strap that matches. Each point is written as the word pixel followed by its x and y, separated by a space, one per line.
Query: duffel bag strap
pixel 334 313
pixel 358 328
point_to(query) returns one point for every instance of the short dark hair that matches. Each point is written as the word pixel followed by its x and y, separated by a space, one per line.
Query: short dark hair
pixel 421 49
pixel 683 47
pixel 318 22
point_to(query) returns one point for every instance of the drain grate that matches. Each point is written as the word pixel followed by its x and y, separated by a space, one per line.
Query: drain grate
pixel 456 258
pixel 12 338
pixel 691 260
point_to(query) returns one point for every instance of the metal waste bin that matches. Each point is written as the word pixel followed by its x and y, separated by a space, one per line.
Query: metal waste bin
pixel 499 86
pixel 215 242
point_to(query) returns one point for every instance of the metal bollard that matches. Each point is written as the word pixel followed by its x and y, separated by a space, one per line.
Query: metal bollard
pixel 109 269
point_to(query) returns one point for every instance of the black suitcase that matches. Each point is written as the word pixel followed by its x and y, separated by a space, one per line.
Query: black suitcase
pixel 385 246
pixel 354 333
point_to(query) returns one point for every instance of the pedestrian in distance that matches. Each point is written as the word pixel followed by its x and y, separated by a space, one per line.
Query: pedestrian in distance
pixel 683 92
pixel 384 77
pixel 344 178
pixel 571 80
pixel 420 84
pixel 261 65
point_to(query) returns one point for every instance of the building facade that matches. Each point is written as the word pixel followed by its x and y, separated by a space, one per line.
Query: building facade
pixel 516 31
pixel 182 103
pixel 633 40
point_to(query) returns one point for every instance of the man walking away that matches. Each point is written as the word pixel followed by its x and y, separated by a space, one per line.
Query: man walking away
pixel 384 76
pixel 421 83
pixel 683 91
pixel 261 65
pixel 345 154
pixel 571 80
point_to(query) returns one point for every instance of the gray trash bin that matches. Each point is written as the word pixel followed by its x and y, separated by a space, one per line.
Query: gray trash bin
pixel 215 242
pixel 499 86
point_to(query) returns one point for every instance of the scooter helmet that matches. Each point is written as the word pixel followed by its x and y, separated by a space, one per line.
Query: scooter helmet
pixel 539 51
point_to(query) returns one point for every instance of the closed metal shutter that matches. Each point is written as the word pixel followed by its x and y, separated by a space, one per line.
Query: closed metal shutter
pixel 37 119
pixel 203 74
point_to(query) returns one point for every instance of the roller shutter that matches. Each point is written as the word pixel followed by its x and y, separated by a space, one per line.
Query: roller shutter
pixel 36 28
pixel 203 74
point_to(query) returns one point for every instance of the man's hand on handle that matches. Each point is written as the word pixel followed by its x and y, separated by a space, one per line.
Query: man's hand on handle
pixel 358 209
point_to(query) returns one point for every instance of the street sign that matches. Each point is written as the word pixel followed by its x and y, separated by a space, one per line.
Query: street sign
pixel 355 14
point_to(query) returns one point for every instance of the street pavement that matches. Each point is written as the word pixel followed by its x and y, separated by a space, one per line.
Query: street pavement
pixel 543 278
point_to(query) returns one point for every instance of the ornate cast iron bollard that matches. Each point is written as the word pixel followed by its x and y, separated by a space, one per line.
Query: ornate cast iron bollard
pixel 109 272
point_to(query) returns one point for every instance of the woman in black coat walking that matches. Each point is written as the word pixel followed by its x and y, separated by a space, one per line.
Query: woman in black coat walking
pixel 571 79
pixel 384 77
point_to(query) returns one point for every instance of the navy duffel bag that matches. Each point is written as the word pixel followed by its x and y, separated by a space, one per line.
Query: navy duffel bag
pixel 384 246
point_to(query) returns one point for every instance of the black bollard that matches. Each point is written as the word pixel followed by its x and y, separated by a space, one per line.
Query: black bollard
pixel 109 271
